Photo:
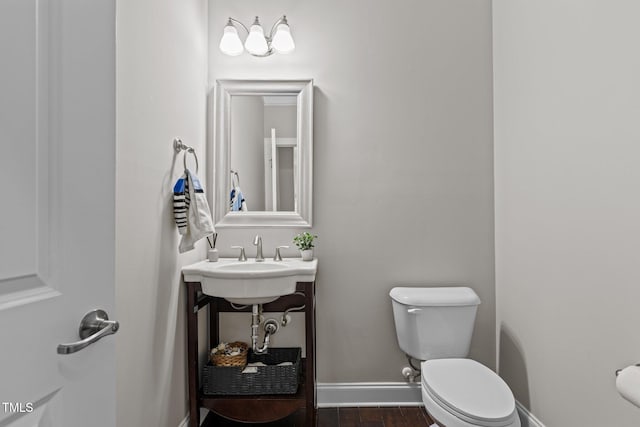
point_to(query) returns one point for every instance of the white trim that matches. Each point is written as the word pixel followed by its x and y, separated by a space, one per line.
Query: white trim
pixel 334 395
pixel 527 419
pixel 283 142
pixel 185 422
pixel 280 101
pixel 203 415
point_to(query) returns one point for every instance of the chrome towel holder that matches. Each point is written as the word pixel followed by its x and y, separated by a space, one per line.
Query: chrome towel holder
pixel 179 146
pixel 235 178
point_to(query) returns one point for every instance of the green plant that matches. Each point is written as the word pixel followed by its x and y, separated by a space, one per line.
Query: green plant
pixel 304 241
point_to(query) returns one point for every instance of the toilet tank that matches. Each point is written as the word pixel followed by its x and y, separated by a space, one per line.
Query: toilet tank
pixel 434 323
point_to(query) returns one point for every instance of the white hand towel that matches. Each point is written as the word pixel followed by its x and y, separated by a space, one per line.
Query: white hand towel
pixel 237 202
pixel 181 203
pixel 199 222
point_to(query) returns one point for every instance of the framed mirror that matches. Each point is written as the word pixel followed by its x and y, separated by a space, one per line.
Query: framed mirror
pixel 262 153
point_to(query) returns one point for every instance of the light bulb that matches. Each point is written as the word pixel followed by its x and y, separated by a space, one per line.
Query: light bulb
pixel 282 41
pixel 230 43
pixel 256 44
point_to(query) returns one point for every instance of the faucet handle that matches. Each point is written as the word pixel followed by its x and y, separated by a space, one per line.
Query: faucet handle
pixel 243 256
pixel 278 257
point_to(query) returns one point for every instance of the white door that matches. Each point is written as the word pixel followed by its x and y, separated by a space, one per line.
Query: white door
pixel 271 172
pixel 57 177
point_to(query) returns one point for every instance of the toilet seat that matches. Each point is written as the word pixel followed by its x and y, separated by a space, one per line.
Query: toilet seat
pixel 470 391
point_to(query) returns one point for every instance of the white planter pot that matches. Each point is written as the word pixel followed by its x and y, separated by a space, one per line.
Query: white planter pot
pixel 307 255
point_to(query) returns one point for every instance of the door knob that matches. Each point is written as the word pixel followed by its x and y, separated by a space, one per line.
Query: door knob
pixel 94 325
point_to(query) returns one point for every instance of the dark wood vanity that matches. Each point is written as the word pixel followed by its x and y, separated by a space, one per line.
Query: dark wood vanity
pixel 255 408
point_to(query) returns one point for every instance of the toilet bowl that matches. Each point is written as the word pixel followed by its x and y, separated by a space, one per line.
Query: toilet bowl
pixel 465 393
pixel 435 325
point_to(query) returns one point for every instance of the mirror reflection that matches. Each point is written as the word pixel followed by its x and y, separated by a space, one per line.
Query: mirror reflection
pixel 264 164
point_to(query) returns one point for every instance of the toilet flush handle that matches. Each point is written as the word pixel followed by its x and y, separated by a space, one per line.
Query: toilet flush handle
pixel 414 310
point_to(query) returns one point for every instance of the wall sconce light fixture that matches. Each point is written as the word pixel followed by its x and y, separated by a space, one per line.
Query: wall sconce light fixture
pixel 257 44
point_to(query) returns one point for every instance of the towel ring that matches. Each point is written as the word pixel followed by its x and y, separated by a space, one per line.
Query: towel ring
pixel 235 175
pixel 184 158
pixel 179 146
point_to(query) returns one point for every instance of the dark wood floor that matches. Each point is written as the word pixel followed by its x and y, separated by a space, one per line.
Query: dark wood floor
pixel 344 417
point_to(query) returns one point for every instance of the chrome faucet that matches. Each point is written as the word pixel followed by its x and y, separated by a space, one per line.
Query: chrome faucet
pixel 257 241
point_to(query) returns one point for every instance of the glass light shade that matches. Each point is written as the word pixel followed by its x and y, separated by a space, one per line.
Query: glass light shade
pixel 282 41
pixel 230 43
pixel 256 44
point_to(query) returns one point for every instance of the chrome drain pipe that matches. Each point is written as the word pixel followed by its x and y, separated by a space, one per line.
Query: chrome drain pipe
pixel 270 328
pixel 255 324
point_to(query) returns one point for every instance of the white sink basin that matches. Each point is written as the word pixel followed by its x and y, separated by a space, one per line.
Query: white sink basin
pixel 250 282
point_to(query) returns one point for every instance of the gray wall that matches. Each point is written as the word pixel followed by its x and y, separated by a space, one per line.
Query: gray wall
pixel 161 93
pixel 247 148
pixel 567 147
pixel 281 117
pixel 402 156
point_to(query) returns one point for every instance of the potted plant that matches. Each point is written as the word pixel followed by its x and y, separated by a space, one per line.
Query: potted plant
pixel 304 242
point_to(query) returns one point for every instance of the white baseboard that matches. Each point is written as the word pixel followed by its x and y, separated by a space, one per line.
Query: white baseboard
pixel 185 422
pixel 335 395
pixel 527 419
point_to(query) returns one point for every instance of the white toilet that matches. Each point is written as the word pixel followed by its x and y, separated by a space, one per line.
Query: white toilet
pixel 435 325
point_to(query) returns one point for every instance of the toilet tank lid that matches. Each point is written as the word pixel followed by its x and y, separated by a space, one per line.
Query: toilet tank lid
pixel 433 297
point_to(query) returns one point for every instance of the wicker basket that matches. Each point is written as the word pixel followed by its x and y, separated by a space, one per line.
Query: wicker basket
pixel 221 359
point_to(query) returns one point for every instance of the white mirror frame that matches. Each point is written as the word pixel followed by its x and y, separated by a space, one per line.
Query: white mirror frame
pixel 220 154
